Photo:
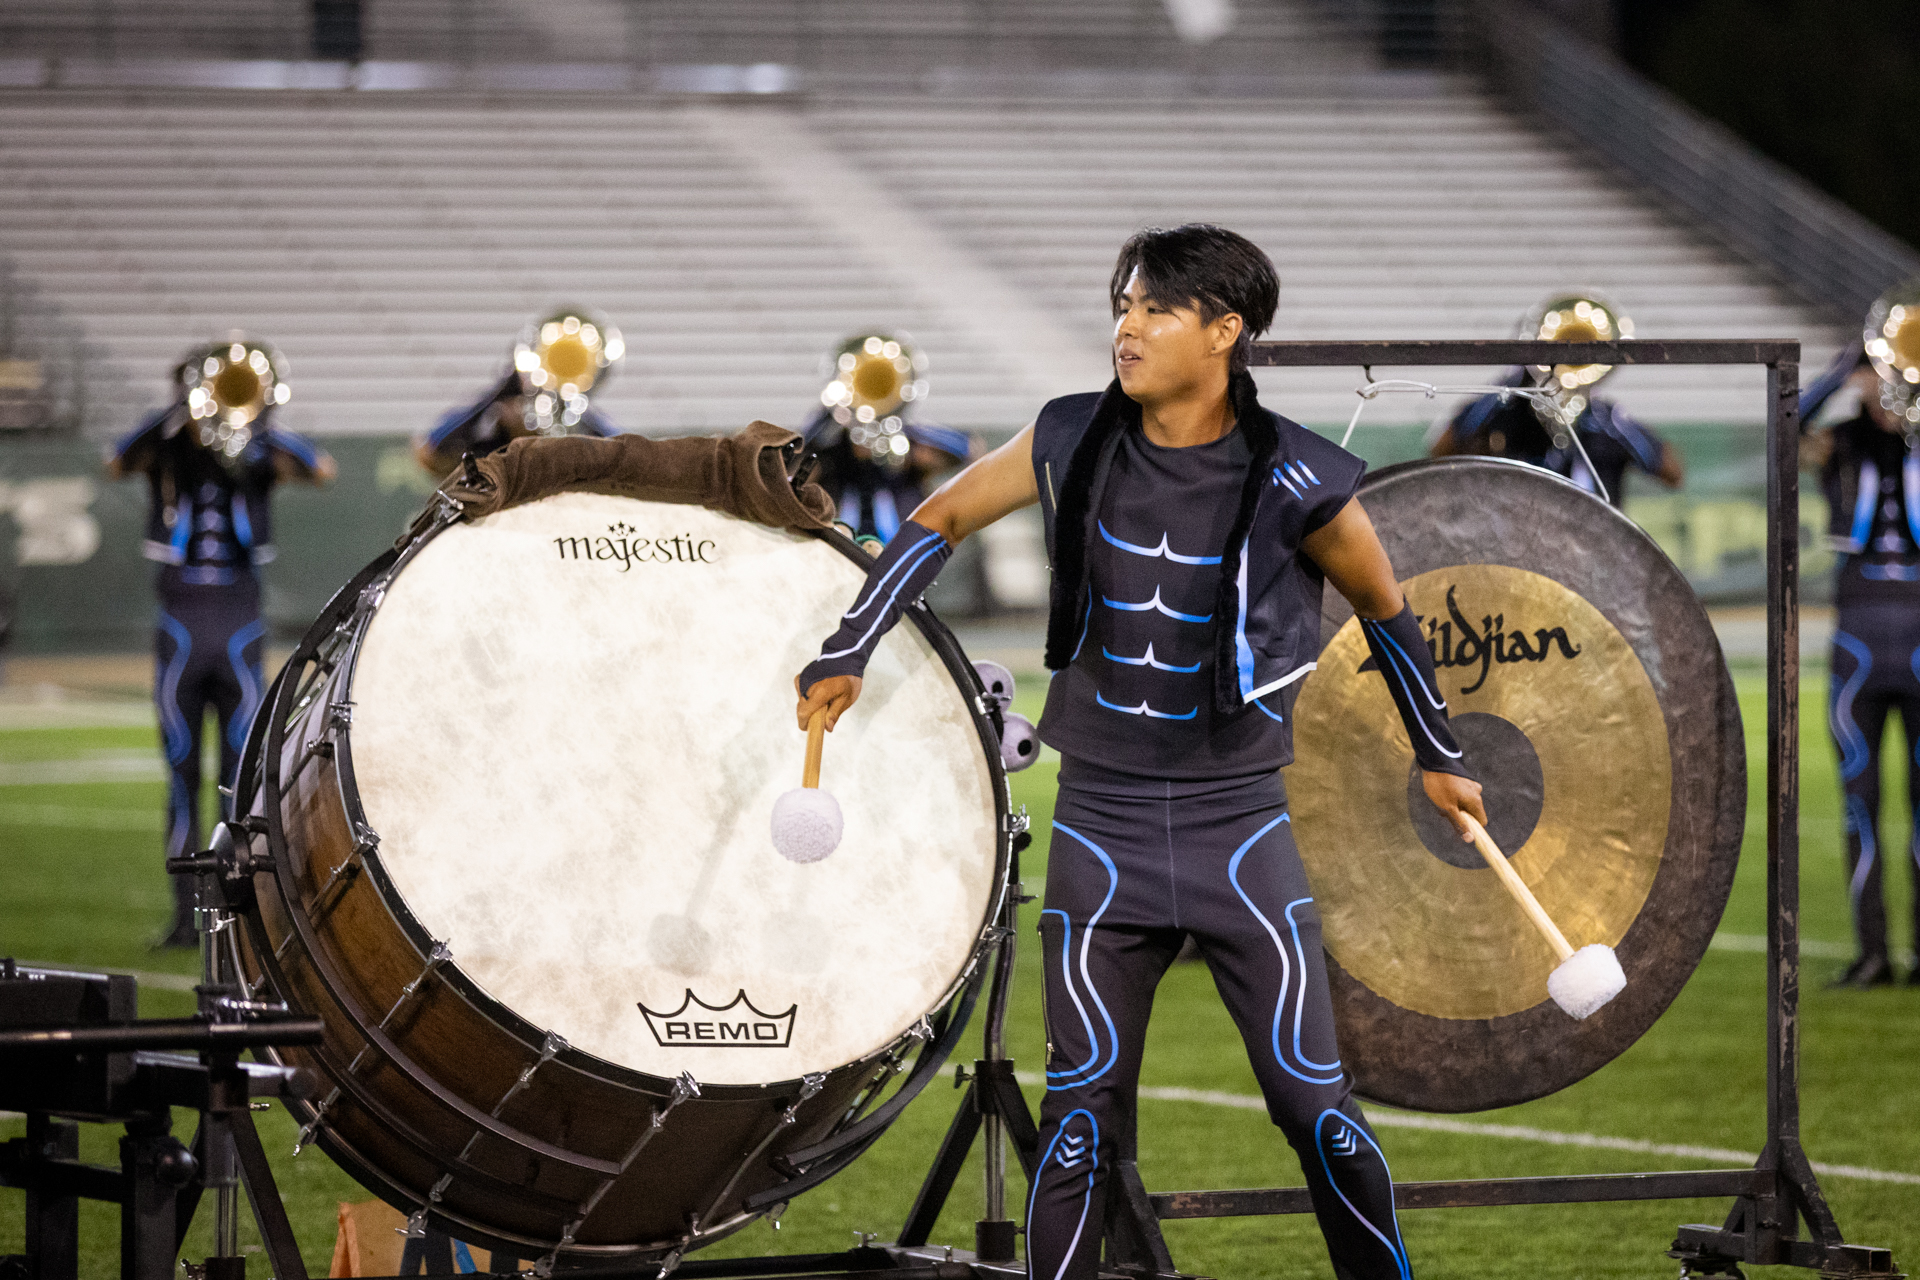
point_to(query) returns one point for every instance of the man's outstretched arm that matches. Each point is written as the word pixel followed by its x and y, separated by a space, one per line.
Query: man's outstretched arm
pixel 994 486
pixel 1348 551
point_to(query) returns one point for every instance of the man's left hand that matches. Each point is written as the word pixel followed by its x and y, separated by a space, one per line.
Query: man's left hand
pixel 1455 796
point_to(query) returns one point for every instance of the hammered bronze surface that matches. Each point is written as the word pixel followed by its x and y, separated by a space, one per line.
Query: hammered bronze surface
pixel 1433 935
pixel 1589 692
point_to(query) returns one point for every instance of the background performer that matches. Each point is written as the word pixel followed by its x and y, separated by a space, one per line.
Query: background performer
pixel 211 460
pixel 1516 428
pixel 1869 469
pixel 557 361
pixel 1190 530
pixel 875 459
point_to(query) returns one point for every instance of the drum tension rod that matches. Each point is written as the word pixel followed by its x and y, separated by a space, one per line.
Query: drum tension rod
pixel 553 1044
pixel 809 1086
pixel 684 1087
pixel 313 1126
pixel 365 841
pixel 439 957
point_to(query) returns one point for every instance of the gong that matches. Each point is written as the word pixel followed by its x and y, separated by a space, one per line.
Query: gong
pixel 1589 694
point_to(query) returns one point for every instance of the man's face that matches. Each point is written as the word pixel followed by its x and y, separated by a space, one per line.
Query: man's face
pixel 1162 352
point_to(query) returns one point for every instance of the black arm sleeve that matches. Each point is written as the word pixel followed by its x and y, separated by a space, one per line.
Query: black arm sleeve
pixel 1403 658
pixel 899 576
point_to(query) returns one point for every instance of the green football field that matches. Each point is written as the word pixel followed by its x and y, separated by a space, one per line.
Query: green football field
pixel 80 884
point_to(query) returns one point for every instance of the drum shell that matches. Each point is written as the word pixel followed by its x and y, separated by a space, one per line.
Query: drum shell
pixel 361 958
pixel 413 1119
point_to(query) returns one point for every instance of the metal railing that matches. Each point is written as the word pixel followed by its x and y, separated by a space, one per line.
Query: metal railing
pixel 1829 254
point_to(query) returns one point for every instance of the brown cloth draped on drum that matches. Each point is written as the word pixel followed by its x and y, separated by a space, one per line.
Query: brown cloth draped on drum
pixel 742 475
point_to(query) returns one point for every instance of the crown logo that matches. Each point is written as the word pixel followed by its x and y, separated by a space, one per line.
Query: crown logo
pixel 738 1024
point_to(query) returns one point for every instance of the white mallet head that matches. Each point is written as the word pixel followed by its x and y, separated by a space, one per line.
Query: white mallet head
pixel 806 824
pixel 1586 980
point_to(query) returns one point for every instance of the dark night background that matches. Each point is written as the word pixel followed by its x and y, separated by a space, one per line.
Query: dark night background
pixel 1826 87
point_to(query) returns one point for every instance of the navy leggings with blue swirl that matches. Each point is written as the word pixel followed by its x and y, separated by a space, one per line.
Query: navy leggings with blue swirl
pixel 1876 669
pixel 207 650
pixel 1135 866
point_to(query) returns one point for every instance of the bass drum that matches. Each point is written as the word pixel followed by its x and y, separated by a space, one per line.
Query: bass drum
pixel 516 786
pixel 1587 689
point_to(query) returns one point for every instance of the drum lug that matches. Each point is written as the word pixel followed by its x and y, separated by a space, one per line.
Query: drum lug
pixel 810 1085
pixel 439 957
pixel 370 597
pixel 1018 822
pixel 340 715
pixel 684 1087
pixel 417 1224
pixel 313 1126
pixel 365 842
pixel 553 1044
pixel 921 1031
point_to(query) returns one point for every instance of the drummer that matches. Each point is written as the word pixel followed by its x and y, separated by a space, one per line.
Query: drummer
pixel 211 460
pixel 1190 530
pixel 557 361
pixel 1518 427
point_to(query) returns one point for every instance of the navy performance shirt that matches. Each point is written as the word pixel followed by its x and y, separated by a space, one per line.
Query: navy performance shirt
pixel 1137 696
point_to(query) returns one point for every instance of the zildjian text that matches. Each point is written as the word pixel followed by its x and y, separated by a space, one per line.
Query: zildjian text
pixel 1456 642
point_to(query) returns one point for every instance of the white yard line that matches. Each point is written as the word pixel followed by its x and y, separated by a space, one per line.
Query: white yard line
pixel 60 713
pixel 100 766
pixel 1814 947
pixel 1389 1119
pixel 59 815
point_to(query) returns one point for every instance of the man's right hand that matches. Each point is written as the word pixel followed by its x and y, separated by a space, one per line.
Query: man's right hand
pixel 835 693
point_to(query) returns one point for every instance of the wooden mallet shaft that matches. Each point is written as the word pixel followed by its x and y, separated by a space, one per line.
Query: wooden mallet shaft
pixel 1518 888
pixel 816 743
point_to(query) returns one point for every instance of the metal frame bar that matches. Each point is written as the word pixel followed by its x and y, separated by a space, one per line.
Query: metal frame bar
pixel 1781 1189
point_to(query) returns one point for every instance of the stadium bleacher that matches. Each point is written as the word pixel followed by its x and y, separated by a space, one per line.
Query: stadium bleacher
pixel 393 243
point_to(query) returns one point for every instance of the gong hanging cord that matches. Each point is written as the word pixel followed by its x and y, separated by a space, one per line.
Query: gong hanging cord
pixel 1541 400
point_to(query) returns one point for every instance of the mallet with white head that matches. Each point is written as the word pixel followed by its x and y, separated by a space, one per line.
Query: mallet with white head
pixel 806 821
pixel 1585 979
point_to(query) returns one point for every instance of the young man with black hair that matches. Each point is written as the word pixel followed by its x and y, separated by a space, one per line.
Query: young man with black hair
pixel 1190 531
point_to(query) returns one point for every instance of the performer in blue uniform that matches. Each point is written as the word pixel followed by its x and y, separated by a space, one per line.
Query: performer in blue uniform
pixel 1869 468
pixel 1514 427
pixel 211 461
pixel 1190 531
pixel 875 457
pixel 557 361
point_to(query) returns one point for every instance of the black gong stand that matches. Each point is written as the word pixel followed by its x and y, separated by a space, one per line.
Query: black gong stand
pixel 1779 1194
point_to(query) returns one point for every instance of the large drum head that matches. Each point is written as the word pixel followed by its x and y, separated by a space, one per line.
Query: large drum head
pixel 1589 692
pixel 571 722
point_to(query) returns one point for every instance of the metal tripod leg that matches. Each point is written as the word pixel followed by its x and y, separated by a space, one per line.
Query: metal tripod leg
pixel 993 1102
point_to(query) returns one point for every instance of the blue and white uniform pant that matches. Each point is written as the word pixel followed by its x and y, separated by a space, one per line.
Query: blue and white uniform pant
pixel 206 657
pixel 1875 670
pixel 1136 865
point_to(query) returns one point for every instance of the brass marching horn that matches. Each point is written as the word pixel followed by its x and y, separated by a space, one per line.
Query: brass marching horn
pixel 229 387
pixel 560 359
pixel 874 376
pixel 1892 340
pixel 1572 317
